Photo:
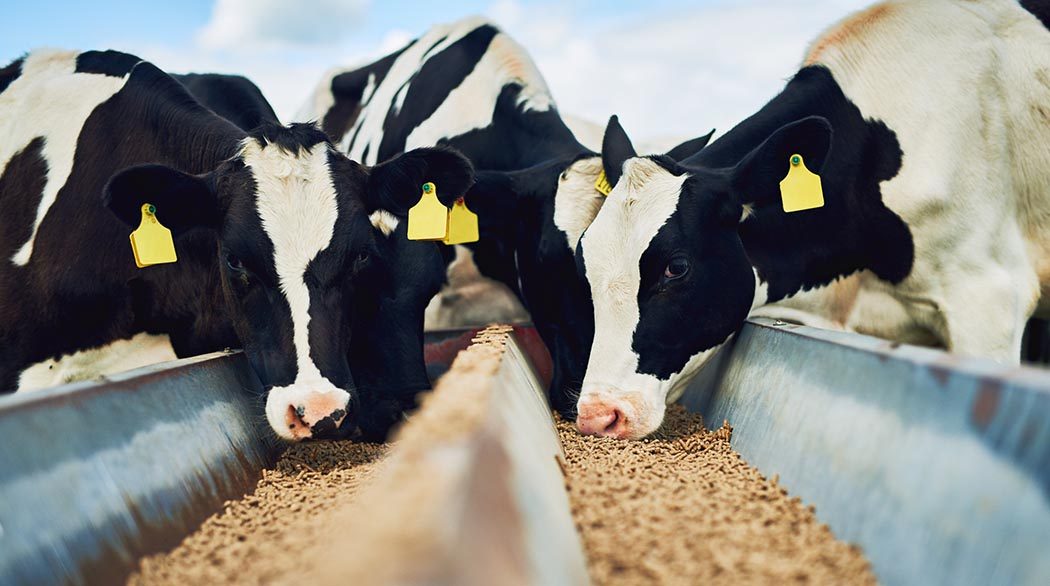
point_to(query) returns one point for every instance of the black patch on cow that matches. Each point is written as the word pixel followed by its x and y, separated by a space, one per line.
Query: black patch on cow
pixel 430 86
pixel 1040 8
pixel 111 63
pixel 854 229
pixel 21 187
pixel 10 73
pixel 291 139
pixel 791 252
pixel 348 89
pixel 233 97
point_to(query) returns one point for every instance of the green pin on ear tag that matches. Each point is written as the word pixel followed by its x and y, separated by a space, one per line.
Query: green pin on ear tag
pixel 462 224
pixel 801 189
pixel 428 219
pixel 151 242
pixel 602 184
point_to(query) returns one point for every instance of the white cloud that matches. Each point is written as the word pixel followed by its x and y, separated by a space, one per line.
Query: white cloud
pixel 673 73
pixel 670 74
pixel 251 24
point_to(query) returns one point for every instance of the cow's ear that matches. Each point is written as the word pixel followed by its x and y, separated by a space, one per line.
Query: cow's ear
pixel 756 179
pixel 182 201
pixel 397 184
pixel 689 147
pixel 616 149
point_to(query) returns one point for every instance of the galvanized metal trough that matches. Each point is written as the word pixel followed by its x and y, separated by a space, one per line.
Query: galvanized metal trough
pixel 938 466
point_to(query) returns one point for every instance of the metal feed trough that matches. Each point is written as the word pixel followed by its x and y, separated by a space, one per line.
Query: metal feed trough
pixel 938 467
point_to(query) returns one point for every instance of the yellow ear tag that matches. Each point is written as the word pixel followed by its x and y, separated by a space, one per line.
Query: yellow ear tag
pixel 428 219
pixel 151 242
pixel 602 184
pixel 801 189
pixel 462 224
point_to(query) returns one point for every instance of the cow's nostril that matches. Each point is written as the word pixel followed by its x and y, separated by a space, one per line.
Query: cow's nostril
pixel 294 419
pixel 617 421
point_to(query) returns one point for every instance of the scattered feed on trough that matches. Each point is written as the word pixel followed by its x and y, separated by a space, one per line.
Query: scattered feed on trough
pixel 682 507
pixel 260 537
pixel 441 505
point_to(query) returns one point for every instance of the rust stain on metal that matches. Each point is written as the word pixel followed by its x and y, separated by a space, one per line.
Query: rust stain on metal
pixel 986 403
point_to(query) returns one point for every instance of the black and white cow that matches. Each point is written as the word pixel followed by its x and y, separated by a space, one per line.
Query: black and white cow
pixel 233 97
pixel 928 123
pixel 470 86
pixel 276 253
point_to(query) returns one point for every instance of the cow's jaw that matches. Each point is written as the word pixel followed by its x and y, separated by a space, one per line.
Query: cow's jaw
pixel 297 206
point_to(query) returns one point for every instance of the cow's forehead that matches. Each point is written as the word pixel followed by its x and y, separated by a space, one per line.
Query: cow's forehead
pixel 644 198
pixel 295 198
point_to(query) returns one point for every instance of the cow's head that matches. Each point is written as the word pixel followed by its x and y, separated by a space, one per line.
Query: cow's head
pixel 667 269
pixel 299 261
pixel 386 354
pixel 539 214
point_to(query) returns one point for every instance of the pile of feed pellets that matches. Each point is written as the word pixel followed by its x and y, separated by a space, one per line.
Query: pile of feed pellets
pixel 679 507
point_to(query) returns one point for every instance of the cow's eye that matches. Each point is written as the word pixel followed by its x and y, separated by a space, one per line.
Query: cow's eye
pixel 676 268
pixel 362 256
pixel 234 263
pixel 564 175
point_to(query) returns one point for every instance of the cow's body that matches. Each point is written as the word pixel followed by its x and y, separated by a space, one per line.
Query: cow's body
pixel 932 135
pixel 233 97
pixel 470 86
pixel 271 228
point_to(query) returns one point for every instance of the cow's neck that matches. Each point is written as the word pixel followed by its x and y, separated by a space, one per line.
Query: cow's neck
pixel 854 230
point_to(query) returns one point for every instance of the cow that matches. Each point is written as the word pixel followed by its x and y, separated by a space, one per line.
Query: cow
pixel 470 86
pixel 927 124
pixel 233 97
pixel 275 251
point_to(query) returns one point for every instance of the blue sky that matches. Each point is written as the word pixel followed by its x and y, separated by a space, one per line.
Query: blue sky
pixel 670 68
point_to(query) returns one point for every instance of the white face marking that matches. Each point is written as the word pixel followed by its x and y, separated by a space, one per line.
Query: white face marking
pixel 118 356
pixel 641 203
pixel 51 101
pixel 577 202
pixel 384 221
pixel 612 249
pixel 298 209
pixel 468 107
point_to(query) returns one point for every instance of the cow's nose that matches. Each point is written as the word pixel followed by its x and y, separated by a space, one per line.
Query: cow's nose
pixel 602 418
pixel 316 416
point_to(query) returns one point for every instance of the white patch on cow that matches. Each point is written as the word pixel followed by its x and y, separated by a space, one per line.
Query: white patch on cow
pixel 384 221
pixel 297 205
pixel 118 356
pixel 612 249
pixel 50 100
pixel 983 132
pixel 577 202
pixel 472 104
pixel 468 107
